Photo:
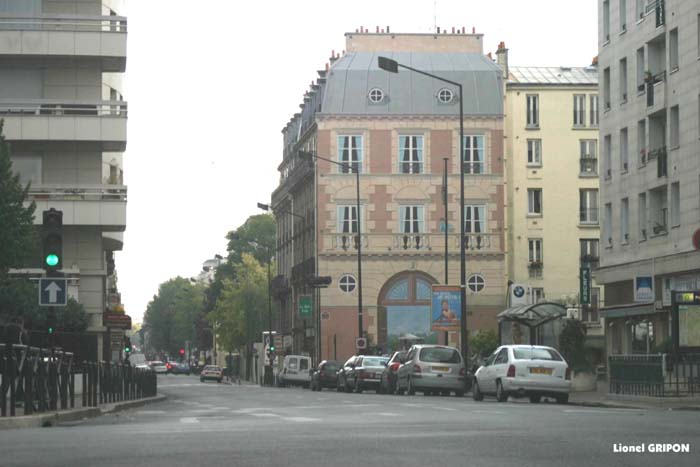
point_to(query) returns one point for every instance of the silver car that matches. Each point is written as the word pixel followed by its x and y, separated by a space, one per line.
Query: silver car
pixel 432 369
pixel 530 371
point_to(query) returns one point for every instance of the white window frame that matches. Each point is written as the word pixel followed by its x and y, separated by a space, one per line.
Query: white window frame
pixel 348 224
pixel 416 150
pixel 375 96
pixel 445 95
pixel 588 150
pixel 673 51
pixel 345 281
pixel 532 201
pixel 416 218
pixel 532 110
pixel 534 250
pixel 354 148
pixel 594 110
pixel 624 150
pixel 642 217
pixel 537 294
pixel 472 148
pixel 675 204
pixel 476 283
pixel 624 92
pixel 472 225
pixel 20 163
pixel 624 220
pixel 534 152
pixel 607 225
pixel 579 110
pixel 588 205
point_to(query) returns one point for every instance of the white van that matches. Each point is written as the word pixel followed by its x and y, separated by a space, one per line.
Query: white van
pixel 295 371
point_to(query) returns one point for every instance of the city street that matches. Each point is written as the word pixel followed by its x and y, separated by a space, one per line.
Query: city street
pixel 219 424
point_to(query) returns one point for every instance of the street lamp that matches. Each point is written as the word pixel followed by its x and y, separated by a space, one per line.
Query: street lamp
pixel 392 66
pixel 310 156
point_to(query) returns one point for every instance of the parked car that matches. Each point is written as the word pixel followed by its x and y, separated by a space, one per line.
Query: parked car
pixel 295 371
pixel 387 384
pixel 179 368
pixel 159 367
pixel 366 373
pixel 432 369
pixel 211 372
pixel 324 376
pixel 341 379
pixel 533 371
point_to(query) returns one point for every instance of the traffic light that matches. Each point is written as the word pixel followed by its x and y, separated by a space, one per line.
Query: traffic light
pixel 272 348
pixel 52 240
pixel 50 322
pixel 182 352
pixel 127 345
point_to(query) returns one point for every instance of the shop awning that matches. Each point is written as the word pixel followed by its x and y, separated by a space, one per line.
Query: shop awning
pixel 624 311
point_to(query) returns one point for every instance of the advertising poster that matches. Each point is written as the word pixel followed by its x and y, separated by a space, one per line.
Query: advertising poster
pixel 689 325
pixel 643 289
pixel 446 309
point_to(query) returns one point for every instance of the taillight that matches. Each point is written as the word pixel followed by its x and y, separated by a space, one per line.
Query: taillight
pixel 394 366
pixel 416 369
pixel 568 373
pixel 511 372
pixel 462 372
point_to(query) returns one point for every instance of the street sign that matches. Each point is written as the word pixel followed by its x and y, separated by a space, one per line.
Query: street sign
pixel 115 340
pixel 52 292
pixel 305 306
pixel 585 285
pixel 116 320
pixel 360 343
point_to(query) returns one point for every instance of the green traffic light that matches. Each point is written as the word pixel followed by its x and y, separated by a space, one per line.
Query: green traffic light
pixel 51 260
pixel 50 330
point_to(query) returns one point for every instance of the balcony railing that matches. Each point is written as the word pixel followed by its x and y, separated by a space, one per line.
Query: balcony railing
pixel 51 107
pixel 64 23
pixel 412 242
pixel 661 161
pixel 651 81
pixel 589 166
pixel 79 193
pixel 588 216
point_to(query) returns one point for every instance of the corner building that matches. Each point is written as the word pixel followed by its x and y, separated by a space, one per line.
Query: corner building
pixel 398 129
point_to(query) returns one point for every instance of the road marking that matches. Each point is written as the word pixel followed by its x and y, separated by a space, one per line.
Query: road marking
pixel 488 412
pixel 189 420
pixel 265 415
pixel 446 409
pixel 150 412
pixel 389 414
pixel 300 419
pixel 247 411
pixel 600 411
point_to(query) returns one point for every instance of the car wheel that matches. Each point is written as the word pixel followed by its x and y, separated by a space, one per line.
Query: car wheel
pixel 397 389
pixel 218 380
pixel 501 395
pixel 410 389
pixel 338 387
pixel 563 399
pixel 477 395
pixel 459 393
pixel 535 399
pixel 358 389
pixel 201 380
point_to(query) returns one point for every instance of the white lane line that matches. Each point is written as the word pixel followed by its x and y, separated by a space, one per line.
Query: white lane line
pixel 150 412
pixel 607 412
pixel 389 414
pixel 250 410
pixel 265 415
pixel 301 419
pixel 447 409
pixel 189 420
pixel 487 412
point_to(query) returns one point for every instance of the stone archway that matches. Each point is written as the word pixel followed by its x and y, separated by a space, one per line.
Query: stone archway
pixel 404 308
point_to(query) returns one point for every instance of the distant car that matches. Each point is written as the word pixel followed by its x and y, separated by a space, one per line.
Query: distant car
pixel 387 384
pixel 142 366
pixel 324 375
pixel 179 368
pixel 432 369
pixel 159 367
pixel 366 373
pixel 211 372
pixel 344 372
pixel 295 371
pixel 533 371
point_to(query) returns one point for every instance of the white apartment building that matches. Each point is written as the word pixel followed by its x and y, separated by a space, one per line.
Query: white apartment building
pixel 649 65
pixel 61 66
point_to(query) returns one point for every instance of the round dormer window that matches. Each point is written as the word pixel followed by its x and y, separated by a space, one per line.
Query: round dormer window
pixel 445 95
pixel 376 95
pixel 347 283
pixel 476 283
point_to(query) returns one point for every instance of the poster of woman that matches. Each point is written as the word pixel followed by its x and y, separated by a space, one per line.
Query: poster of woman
pixel 446 310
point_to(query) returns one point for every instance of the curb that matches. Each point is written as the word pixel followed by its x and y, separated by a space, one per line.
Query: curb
pixel 635 407
pixel 67 416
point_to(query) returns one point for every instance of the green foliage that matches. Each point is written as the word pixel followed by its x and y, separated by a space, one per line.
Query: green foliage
pixel 260 229
pixel 484 343
pixel 17 233
pixel 572 345
pixel 72 317
pixel 666 346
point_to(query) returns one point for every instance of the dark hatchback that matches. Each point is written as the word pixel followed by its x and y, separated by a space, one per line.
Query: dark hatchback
pixel 325 375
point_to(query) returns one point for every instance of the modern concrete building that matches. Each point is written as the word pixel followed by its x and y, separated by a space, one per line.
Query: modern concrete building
pixel 649 180
pixel 398 129
pixel 61 66
pixel 552 183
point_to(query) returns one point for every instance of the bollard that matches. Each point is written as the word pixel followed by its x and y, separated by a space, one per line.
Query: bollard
pixel 11 376
pixel 3 385
pixel 41 383
pixel 28 386
pixel 53 383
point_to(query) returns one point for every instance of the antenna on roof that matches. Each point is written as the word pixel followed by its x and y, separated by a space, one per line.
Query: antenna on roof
pixel 434 15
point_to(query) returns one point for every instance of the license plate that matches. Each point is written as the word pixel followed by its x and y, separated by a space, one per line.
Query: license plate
pixel 442 369
pixel 541 371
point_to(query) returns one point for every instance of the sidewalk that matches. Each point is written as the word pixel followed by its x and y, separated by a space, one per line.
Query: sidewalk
pixel 49 419
pixel 601 398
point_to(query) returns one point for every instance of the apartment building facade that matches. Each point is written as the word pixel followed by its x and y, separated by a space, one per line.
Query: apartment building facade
pixel 650 104
pixel 61 67
pixel 400 130
pixel 552 174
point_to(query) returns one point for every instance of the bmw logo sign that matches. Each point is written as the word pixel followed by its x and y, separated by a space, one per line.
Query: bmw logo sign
pixel 518 291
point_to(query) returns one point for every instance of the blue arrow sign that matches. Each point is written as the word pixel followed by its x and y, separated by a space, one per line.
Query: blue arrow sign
pixel 52 292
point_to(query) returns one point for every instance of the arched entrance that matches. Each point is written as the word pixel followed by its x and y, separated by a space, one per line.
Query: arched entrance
pixel 404 310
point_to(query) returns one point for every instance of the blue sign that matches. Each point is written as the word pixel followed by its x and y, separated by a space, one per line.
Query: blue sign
pixel 446 309
pixel 643 289
pixel 52 292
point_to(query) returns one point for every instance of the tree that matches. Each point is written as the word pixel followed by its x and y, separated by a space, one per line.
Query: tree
pixel 17 233
pixel 260 229
pixel 484 343
pixel 572 345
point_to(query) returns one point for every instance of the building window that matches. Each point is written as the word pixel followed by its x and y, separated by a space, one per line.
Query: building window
pixel 476 283
pixel 589 252
pixel 594 110
pixel 535 257
pixel 376 95
pixel 474 218
pixel 606 88
pixel 474 154
pixel 623 16
pixel 588 203
pixel 639 11
pixel 674 124
pixel 590 312
pixel 534 152
pixel 642 142
pixel 350 153
pixel 537 294
pixel 347 219
pixel 445 95
pixel 347 283
pixel 607 226
pixel 411 219
pixel 606 21
pixel 624 151
pixel 658 209
pixel 624 221
pixel 28 168
pixel 533 115
pixel 642 216
pixel 640 70
pixel 675 204
pixel 673 49
pixel 607 156
pixel 534 201
pixel 411 154
pixel 623 80
pixel 579 110
pixel 588 156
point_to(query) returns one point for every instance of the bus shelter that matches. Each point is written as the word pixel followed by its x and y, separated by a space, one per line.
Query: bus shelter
pixel 535 324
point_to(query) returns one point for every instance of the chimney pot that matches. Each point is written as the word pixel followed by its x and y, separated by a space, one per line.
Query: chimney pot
pixel 453 29
pixel 438 29
pixel 377 29
pixel 387 29
pixel 473 30
pixel 463 30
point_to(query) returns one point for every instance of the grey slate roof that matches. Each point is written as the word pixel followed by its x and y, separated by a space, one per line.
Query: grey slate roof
pixel 552 75
pixel 355 73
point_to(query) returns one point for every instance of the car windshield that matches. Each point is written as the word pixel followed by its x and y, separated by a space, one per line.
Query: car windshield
pixel 331 367
pixel 378 361
pixel 533 353
pixel 398 356
pixel 439 355
pixel 212 368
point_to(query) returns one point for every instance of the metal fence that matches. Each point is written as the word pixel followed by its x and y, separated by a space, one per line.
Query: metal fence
pixel 38 380
pixel 656 375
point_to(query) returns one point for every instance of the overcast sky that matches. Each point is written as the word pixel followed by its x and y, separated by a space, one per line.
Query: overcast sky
pixel 211 84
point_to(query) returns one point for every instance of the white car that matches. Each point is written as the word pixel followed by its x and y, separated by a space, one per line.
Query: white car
pixel 295 371
pixel 530 371
pixel 159 367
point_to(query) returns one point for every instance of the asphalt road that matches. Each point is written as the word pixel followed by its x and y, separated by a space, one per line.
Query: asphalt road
pixel 212 424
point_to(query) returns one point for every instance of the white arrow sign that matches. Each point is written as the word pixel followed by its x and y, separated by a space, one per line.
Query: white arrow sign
pixel 53 290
